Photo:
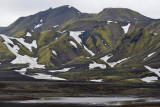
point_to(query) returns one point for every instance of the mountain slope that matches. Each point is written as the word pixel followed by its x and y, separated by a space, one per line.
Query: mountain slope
pixel 69 18
pixel 115 45
pixel 42 20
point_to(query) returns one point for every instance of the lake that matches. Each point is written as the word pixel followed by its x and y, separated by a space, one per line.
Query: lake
pixel 103 101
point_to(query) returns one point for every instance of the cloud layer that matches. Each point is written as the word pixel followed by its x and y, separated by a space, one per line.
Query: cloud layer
pixel 12 9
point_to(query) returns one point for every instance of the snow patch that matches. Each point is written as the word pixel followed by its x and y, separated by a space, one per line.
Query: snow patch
pixel 22 71
pixel 112 64
pixel 63 31
pixel 149 55
pixel 39 25
pixel 98 80
pixel 94 65
pixel 136 19
pixel 27 45
pixel 55 26
pixel 149 79
pixel 155 34
pixel 125 28
pixel 105 58
pixel 19 58
pixel 56 38
pixel 88 50
pixel 74 44
pixel 28 34
pixel 40 75
pixel 108 22
pixel 54 52
pixel 46 77
pixel 61 70
pixel 41 20
pixel 27 60
pixel 156 71
pixel 75 35
pixel 69 6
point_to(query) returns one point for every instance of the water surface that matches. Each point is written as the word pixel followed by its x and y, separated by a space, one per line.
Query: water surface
pixel 91 100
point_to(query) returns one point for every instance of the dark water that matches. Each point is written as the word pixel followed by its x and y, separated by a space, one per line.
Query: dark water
pixel 108 101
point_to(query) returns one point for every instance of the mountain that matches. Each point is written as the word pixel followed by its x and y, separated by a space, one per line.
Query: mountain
pixel 69 18
pixel 116 45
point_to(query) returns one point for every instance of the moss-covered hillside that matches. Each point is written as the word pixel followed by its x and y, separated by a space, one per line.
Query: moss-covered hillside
pixel 115 45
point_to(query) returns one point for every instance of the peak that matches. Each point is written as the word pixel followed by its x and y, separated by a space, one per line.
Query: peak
pixel 50 8
pixel 122 14
pixel 117 10
pixel 67 7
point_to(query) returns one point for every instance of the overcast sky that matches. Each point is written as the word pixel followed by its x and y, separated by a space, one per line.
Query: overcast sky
pixel 11 10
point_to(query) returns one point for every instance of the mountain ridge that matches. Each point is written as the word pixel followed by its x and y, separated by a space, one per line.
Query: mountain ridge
pixel 29 22
pixel 115 45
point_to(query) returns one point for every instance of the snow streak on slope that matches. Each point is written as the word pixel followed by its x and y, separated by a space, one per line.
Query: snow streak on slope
pixel 98 80
pixel 22 71
pixel 74 44
pixel 54 52
pixel 108 22
pixel 39 25
pixel 28 34
pixel 149 55
pixel 126 28
pixel 61 70
pixel 22 41
pixel 149 79
pixel 46 77
pixel 40 75
pixel 75 35
pixel 19 58
pixel 27 45
pixel 55 26
pixel 94 65
pixel 156 71
pixel 112 64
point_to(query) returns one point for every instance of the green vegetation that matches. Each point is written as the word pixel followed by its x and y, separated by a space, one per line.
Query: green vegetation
pixel 45 57
pixel 104 33
pixel 65 52
pixel 20 34
pixel 47 37
pixel 5 54
pixel 56 51
pixel 13 67
pixel 79 60
pixel 116 75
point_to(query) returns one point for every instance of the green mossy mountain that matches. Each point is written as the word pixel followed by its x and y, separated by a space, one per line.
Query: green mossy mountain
pixel 138 44
pixel 120 32
pixel 5 54
pixel 69 18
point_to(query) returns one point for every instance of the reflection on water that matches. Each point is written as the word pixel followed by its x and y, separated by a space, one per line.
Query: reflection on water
pixel 92 100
